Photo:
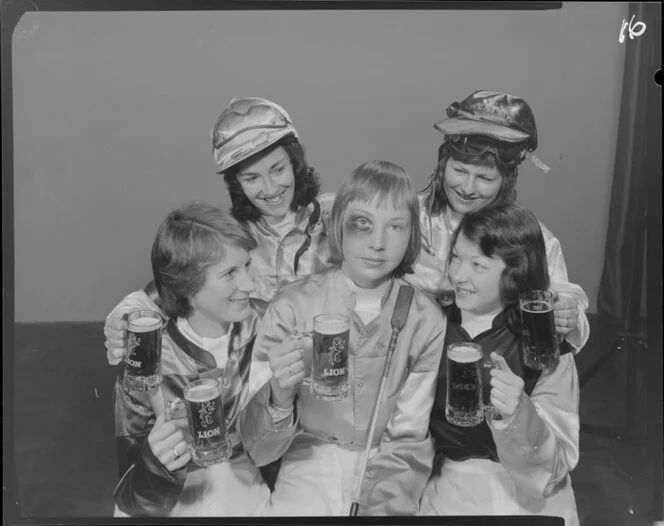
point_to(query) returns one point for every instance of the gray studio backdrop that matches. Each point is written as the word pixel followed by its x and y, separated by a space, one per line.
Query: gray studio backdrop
pixel 112 114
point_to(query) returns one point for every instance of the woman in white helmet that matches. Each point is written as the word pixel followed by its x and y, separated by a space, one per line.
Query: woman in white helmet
pixel 486 137
pixel 274 193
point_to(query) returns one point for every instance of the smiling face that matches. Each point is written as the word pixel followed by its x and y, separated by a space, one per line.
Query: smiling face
pixel 470 187
pixel 224 297
pixel 476 278
pixel 374 242
pixel 269 183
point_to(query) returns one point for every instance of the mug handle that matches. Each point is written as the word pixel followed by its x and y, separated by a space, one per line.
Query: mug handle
pixel 175 409
pixel 559 339
pixel 297 333
pixel 492 416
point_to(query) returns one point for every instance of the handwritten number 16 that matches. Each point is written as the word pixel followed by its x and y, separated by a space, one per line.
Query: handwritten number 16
pixel 634 30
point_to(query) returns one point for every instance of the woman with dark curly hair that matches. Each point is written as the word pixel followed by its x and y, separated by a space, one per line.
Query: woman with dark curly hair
pixel 273 191
pixel 274 194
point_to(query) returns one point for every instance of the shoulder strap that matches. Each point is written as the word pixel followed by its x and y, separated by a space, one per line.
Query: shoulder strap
pixel 313 220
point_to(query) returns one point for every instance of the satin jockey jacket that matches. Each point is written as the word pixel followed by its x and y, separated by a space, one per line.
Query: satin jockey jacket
pixel 398 470
pixel 431 269
pixel 463 443
pixel 146 487
pixel 282 258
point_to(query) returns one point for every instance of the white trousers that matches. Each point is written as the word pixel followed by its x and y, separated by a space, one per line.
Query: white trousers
pixel 316 479
pixel 229 489
pixel 118 513
pixel 483 487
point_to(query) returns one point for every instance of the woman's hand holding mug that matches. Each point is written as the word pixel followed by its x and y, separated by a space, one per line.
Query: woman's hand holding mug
pixel 288 370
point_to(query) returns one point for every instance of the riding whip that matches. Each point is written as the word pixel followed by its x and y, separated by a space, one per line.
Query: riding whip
pixel 399 316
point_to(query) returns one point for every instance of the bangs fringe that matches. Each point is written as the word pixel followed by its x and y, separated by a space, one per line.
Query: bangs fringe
pixel 382 191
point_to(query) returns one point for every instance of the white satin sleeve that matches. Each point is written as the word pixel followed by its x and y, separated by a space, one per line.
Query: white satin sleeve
pixel 539 446
pixel 134 301
pixel 265 436
pixel 561 284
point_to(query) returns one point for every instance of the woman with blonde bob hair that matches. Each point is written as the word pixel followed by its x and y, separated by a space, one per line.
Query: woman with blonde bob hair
pixel 389 185
pixel 374 242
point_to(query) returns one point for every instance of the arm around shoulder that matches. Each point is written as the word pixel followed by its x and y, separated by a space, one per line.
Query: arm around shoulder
pixel 139 299
pixel 561 284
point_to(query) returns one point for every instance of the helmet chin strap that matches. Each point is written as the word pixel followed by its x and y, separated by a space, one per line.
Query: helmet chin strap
pixel 313 219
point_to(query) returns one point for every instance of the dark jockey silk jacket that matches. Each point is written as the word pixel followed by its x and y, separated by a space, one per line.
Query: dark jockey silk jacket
pixel 146 487
pixel 462 443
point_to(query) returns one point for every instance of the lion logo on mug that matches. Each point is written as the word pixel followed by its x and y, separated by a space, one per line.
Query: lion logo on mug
pixel 336 348
pixel 132 343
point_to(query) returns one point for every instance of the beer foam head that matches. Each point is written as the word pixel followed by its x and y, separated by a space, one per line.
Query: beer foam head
pixel 144 324
pixel 536 306
pixel 330 323
pixel 464 353
pixel 202 391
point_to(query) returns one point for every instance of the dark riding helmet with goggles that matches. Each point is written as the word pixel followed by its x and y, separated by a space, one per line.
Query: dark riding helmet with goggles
pixel 486 121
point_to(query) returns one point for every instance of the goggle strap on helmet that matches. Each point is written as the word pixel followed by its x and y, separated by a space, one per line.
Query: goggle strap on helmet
pixel 537 162
pixel 461 144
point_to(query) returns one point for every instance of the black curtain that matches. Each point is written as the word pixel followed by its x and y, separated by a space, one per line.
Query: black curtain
pixel 623 283
pixel 631 283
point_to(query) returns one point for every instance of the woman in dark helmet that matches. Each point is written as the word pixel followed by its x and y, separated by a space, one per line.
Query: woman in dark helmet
pixel 486 137
pixel 274 194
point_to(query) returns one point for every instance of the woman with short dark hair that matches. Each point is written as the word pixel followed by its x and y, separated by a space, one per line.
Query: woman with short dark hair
pixel 202 269
pixel 519 465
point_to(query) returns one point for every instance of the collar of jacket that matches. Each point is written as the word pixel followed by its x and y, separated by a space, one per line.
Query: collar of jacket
pixel 453 314
pixel 299 224
pixel 426 221
pixel 347 296
pixel 241 334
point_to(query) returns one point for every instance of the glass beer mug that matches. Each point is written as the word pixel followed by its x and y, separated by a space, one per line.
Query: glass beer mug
pixel 329 367
pixel 540 342
pixel 464 405
pixel 142 363
pixel 207 424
